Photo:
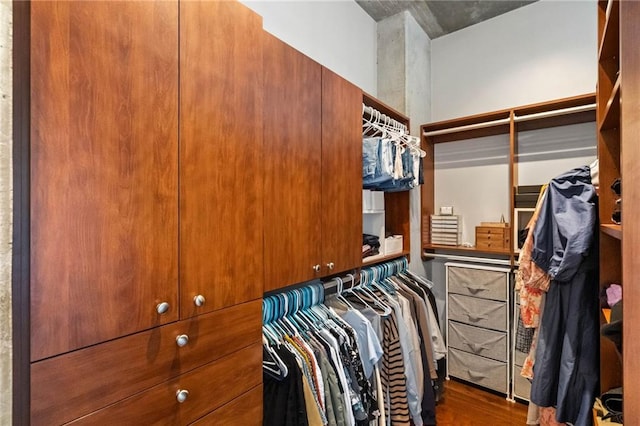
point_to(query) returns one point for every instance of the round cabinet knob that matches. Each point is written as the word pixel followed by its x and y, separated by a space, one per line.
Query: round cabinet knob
pixel 199 300
pixel 316 268
pixel 182 395
pixel 330 265
pixel 162 308
pixel 182 340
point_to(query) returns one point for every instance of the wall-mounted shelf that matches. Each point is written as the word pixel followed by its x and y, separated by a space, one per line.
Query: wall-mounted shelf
pixel 463 249
pixel 396 211
pixel 368 261
pixel 559 112
pixel 611 118
pixel 612 230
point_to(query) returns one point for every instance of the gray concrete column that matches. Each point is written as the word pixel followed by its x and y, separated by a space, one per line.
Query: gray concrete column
pixel 404 83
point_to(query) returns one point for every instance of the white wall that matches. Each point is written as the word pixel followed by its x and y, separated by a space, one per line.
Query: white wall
pixel 473 177
pixel 544 154
pixel 543 51
pixel 336 34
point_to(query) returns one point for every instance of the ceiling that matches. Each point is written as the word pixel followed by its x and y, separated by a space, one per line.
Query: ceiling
pixel 440 17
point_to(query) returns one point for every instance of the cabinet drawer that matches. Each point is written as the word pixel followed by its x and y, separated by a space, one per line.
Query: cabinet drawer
pixel 521 386
pixel 245 410
pixel 479 370
pixel 519 357
pixel 491 230
pixel 478 282
pixel 491 245
pixel 479 312
pixel 209 387
pixel 72 385
pixel 479 341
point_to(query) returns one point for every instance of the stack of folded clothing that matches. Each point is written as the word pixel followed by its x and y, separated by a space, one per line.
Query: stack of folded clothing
pixel 370 245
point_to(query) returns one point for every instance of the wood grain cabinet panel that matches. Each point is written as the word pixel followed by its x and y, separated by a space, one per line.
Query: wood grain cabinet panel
pixel 293 149
pixel 221 155
pixel 341 174
pixel 72 385
pixel 208 387
pixel 246 410
pixel 313 181
pixel 104 171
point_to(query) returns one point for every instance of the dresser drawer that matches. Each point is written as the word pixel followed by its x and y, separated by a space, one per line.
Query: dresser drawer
pixel 492 230
pixel 479 341
pixel 519 357
pixel 521 386
pixel 209 387
pixel 479 312
pixel 478 282
pixel 479 370
pixel 74 384
pixel 245 410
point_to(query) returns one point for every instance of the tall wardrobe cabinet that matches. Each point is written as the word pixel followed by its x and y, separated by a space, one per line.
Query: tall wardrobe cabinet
pixel 146 204
pixel 313 182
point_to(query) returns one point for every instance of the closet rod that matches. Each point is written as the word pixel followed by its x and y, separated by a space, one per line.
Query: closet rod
pixel 468 127
pixel 528 117
pixel 330 285
pixel 555 113
pixel 374 113
pixel 487 260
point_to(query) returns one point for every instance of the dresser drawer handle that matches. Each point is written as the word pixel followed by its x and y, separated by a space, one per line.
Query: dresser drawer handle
pixel 474 289
pixel 476 347
pixel 199 300
pixel 182 340
pixel 181 395
pixel 476 318
pixel 162 308
pixel 476 375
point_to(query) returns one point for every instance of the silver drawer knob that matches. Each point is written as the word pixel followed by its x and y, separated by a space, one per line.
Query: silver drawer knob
pixel 182 395
pixel 330 265
pixel 182 340
pixel 199 300
pixel 162 308
pixel 316 268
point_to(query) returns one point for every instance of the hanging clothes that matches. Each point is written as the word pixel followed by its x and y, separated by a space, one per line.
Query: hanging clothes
pixel 566 370
pixel 392 158
pixel 364 357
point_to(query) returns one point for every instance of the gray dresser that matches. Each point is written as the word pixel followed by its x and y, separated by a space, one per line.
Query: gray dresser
pixel 478 336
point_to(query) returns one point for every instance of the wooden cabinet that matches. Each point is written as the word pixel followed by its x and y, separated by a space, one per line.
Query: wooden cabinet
pixel 104 171
pixel 341 174
pixel 146 191
pixel 100 375
pixel 245 410
pixel 312 181
pixel 618 128
pixel 221 155
pixel 293 165
pixel 185 399
pixel 630 172
pixel 608 104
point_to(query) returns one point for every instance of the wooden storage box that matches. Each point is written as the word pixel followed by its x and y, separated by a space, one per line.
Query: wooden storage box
pixel 493 238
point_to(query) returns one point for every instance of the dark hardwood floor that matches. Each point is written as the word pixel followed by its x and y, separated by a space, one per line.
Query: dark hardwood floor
pixel 465 405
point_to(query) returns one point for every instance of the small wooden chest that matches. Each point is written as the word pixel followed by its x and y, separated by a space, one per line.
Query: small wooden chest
pixel 493 238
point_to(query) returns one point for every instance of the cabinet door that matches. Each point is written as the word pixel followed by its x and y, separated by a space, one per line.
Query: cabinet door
pixel 104 171
pixel 341 174
pixel 221 155
pixel 292 165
